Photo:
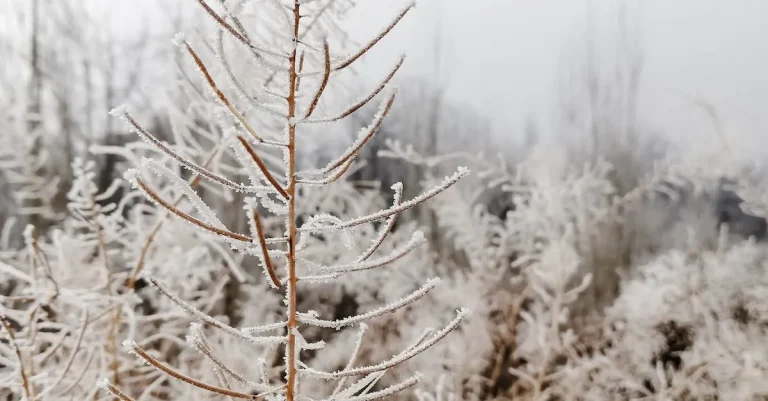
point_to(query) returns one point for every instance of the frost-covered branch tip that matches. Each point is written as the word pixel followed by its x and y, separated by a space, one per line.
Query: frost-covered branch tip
pixel 210 320
pixel 349 110
pixel 184 162
pixel 266 259
pixel 167 206
pixel 376 39
pixel 397 359
pixel 310 318
pixel 134 348
pixel 112 389
pixel 447 183
pixel 263 167
pixel 387 228
pixel 417 238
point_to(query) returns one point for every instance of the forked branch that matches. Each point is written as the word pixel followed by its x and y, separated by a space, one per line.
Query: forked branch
pixel 387 228
pixel 368 134
pixel 336 168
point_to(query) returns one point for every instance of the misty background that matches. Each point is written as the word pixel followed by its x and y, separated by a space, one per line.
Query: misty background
pixel 507 61
pixel 627 82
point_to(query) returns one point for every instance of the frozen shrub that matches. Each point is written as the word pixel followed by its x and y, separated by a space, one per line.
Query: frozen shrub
pixel 300 71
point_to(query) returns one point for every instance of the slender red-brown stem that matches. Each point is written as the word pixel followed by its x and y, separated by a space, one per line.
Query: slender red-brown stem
pixel 114 390
pixel 222 97
pixel 264 250
pixel 45 262
pixel 112 344
pixel 12 340
pixel 262 167
pixel 180 376
pixel 292 321
pixel 301 68
pixel 154 196
pixel 323 83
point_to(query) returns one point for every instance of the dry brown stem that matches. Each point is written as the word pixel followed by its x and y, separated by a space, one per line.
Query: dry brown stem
pixel 323 83
pixel 290 392
pixel 12 337
pixel 180 376
pixel 375 40
pixel 263 167
pixel 265 251
pixel 222 97
pixel 155 197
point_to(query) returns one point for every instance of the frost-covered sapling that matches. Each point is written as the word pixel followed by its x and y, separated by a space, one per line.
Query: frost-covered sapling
pixel 301 69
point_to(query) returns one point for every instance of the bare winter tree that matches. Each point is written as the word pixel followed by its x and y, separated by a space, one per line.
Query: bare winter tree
pixel 601 90
pixel 68 74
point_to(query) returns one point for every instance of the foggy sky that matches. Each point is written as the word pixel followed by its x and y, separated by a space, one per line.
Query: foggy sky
pixel 502 56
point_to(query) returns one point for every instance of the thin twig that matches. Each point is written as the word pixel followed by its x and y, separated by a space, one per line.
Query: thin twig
pixel 117 392
pixel 24 380
pixel 155 197
pixel 220 94
pixel 263 244
pixel 180 376
pixel 151 237
pixel 324 82
pixel 213 322
pixel 301 68
pixel 375 40
pixel 263 167
pixel 358 105
pixel 398 188
pixel 372 131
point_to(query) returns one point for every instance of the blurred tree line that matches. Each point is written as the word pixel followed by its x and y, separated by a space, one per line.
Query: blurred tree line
pixel 69 62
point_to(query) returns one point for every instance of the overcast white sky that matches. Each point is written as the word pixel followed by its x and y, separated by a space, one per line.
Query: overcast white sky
pixel 502 56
